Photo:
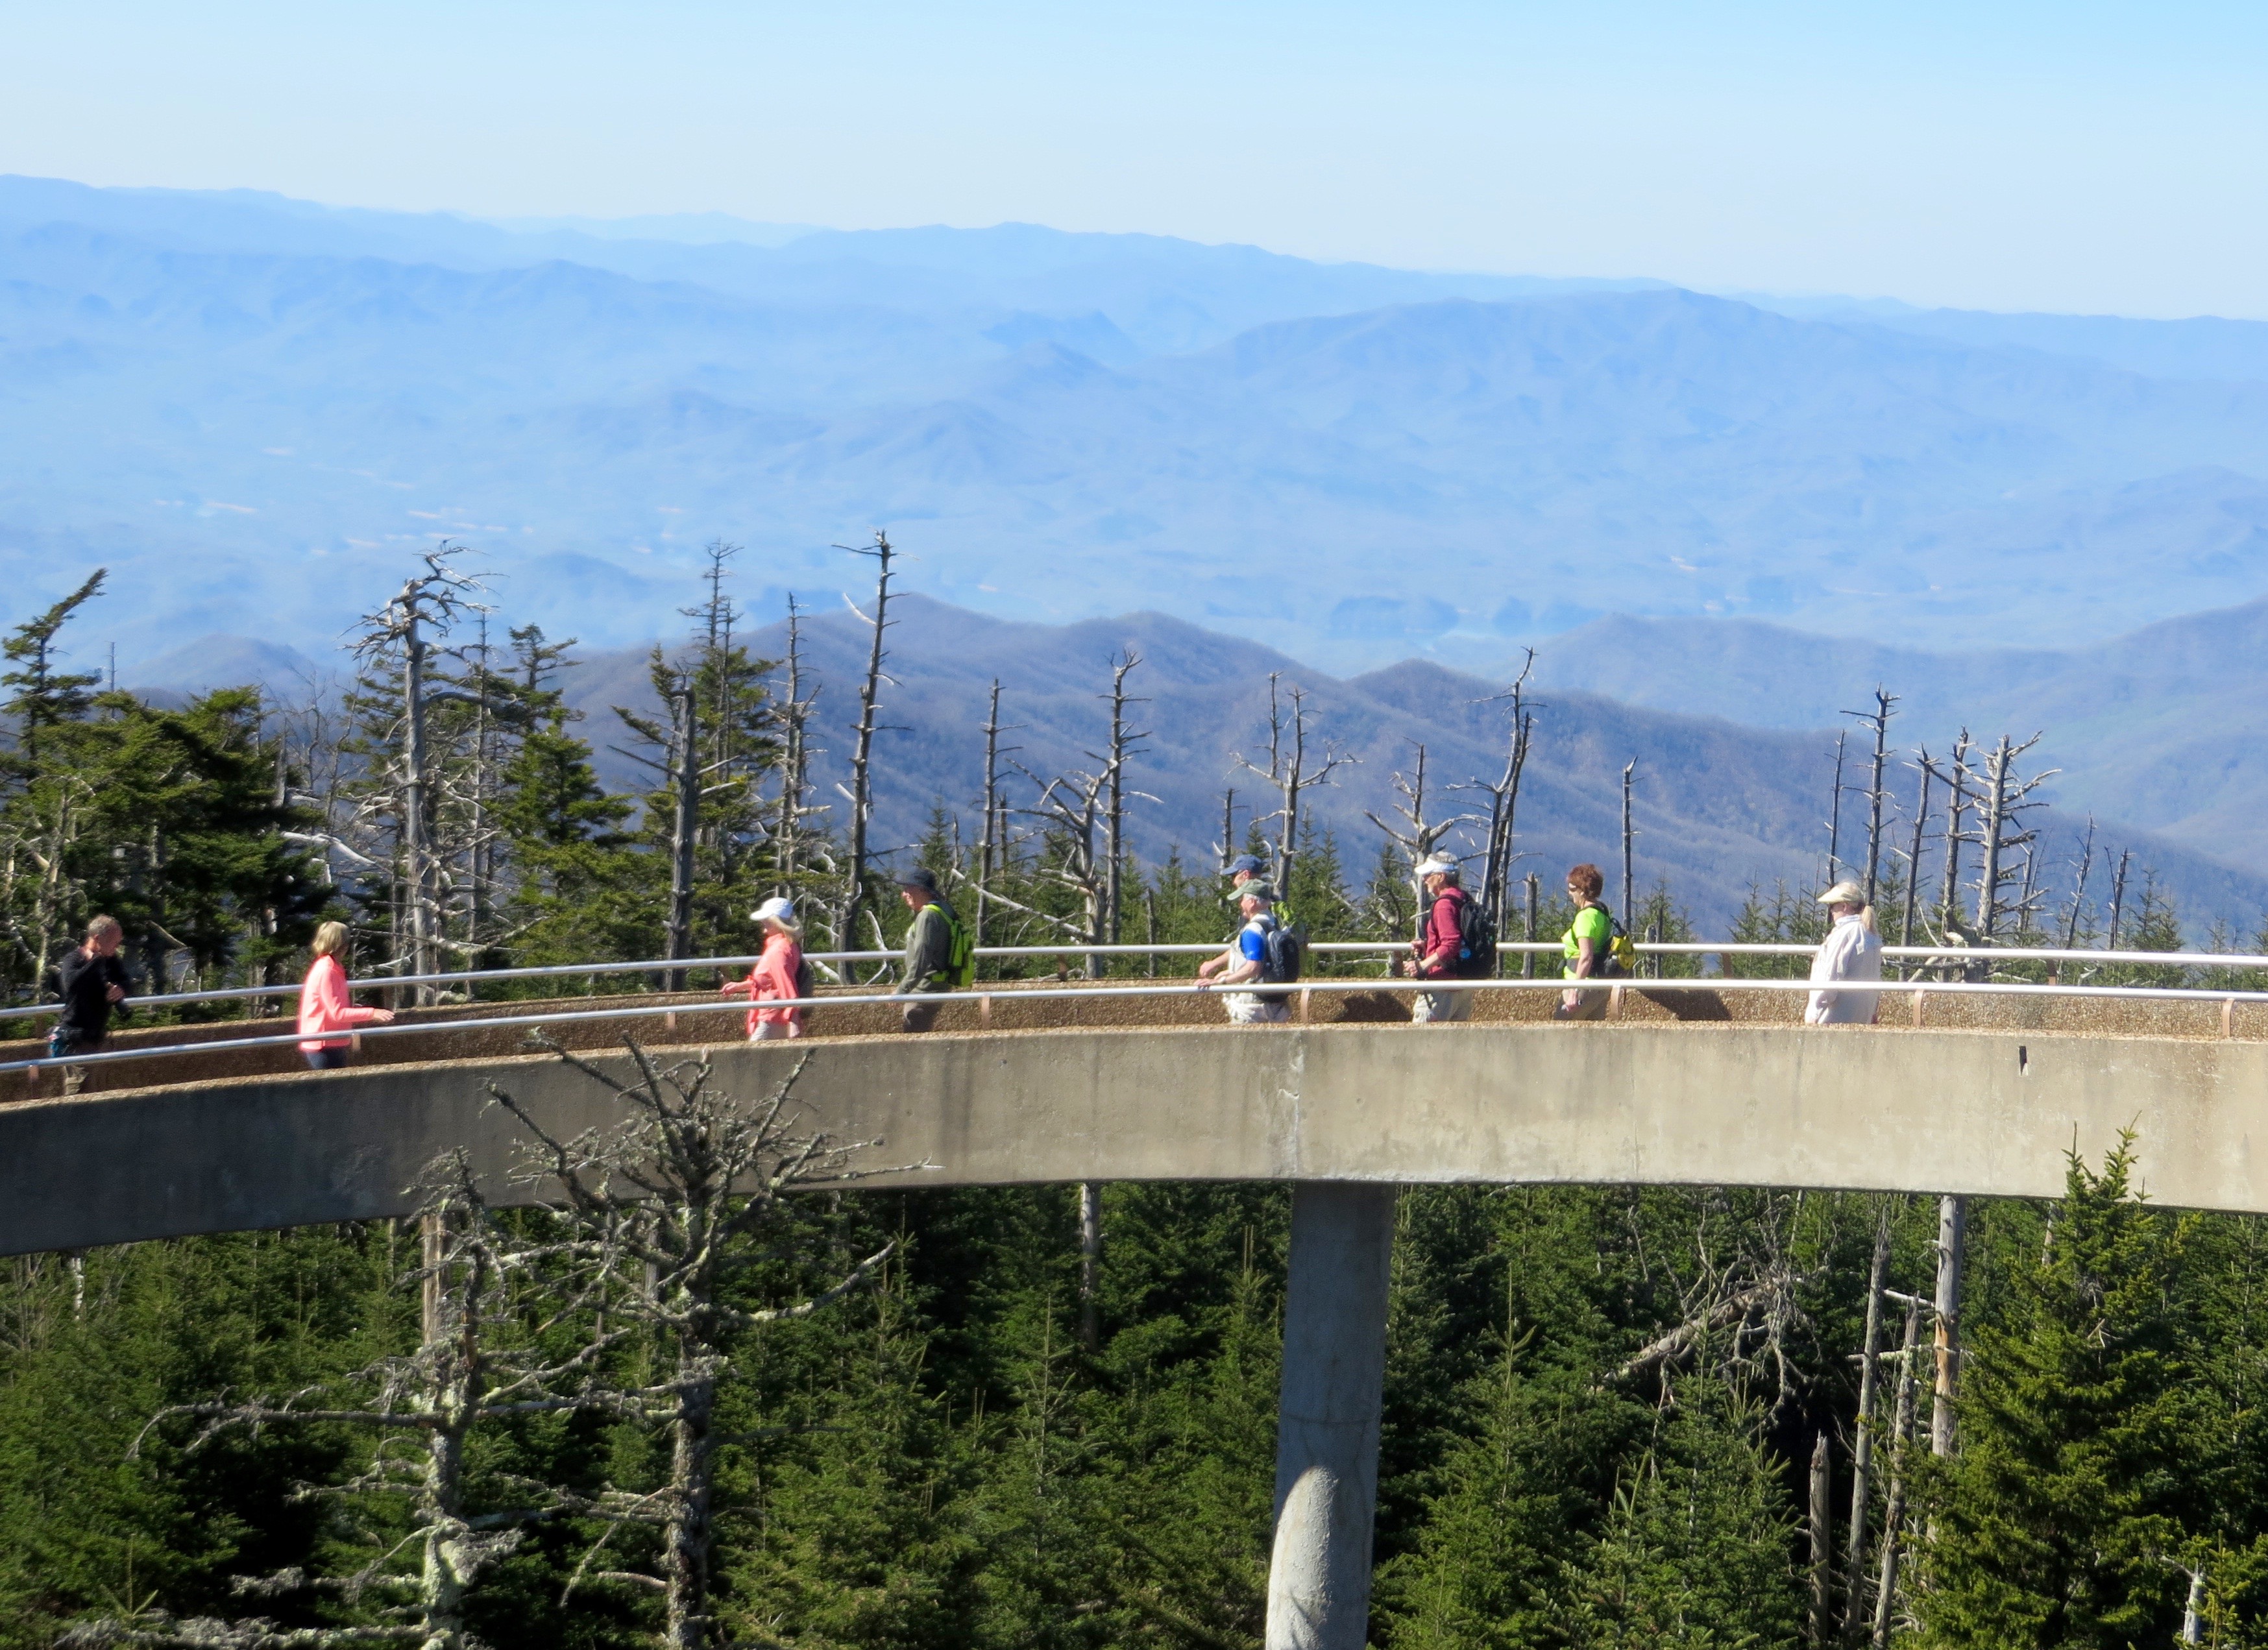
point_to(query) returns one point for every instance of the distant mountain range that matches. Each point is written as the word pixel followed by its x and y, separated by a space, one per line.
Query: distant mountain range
pixel 254 408
pixel 1720 806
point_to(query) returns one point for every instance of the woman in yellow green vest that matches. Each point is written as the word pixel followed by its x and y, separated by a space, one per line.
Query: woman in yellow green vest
pixel 1588 945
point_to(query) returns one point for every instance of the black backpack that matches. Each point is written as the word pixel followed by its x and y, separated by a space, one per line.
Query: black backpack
pixel 803 980
pixel 1286 952
pixel 1476 940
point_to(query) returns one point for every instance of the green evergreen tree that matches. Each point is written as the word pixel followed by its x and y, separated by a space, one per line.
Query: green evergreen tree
pixel 2087 1442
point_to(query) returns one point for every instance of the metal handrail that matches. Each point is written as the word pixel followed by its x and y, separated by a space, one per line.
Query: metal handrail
pixel 585 1016
pixel 1934 954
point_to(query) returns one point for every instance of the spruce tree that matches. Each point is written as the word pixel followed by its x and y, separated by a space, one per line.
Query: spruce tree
pixel 2087 1440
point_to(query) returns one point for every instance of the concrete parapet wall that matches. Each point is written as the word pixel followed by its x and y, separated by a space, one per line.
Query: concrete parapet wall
pixel 1986 1113
pixel 664 1022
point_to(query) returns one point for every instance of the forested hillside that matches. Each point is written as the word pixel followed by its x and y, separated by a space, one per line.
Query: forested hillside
pixel 1602 1407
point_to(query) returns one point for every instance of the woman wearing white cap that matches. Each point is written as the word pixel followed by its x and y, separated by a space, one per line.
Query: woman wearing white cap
pixel 1851 951
pixel 778 974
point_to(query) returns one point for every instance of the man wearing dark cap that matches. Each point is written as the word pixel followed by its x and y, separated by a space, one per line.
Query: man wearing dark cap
pixel 930 963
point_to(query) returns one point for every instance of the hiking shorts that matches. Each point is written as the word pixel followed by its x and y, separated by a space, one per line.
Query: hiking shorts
pixel 1440 1008
pixel 1249 1008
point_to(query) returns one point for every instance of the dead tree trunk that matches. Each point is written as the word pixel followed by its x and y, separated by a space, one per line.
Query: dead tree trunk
pixel 2084 864
pixel 685 825
pixel 1630 864
pixel 2118 898
pixel 1952 1251
pixel 2000 831
pixel 1878 720
pixel 1527 929
pixel 1835 814
pixel 1495 890
pixel 406 627
pixel 990 846
pixel 861 793
pixel 1956 779
pixel 1090 1265
pixel 1893 1514
pixel 1862 1444
pixel 795 808
pixel 1913 854
pixel 1288 772
pixel 1079 808
pixel 1820 1521
pixel 670 1210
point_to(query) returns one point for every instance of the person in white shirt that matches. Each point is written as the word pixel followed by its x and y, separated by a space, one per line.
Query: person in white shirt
pixel 1851 951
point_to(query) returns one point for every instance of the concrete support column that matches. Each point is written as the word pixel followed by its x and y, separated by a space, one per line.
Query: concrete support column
pixel 1328 1416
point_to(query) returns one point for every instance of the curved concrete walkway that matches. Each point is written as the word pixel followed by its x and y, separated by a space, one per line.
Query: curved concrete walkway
pixel 1989 1113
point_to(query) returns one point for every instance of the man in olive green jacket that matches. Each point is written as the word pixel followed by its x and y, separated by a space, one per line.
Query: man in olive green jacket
pixel 928 969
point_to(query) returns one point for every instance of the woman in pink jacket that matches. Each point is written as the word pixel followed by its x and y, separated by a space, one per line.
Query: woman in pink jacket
pixel 323 1004
pixel 774 977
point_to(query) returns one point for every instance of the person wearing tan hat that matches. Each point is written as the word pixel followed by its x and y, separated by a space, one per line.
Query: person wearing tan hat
pixel 778 974
pixel 1851 951
pixel 1245 963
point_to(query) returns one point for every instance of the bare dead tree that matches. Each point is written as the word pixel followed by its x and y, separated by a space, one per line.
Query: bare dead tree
pixel 860 792
pixel 491 1304
pixel 1820 1521
pixel 679 770
pixel 1862 1444
pixel 991 846
pixel 1496 860
pixel 403 635
pixel 2080 866
pixel 1417 837
pixel 1877 721
pixel 794 814
pixel 1894 1512
pixel 1084 813
pixel 1225 849
pixel 672 1208
pixel 1913 852
pixel 2118 898
pixel 1835 812
pixel 1952 1256
pixel 2001 805
pixel 1534 889
pixel 1630 837
pixel 1290 773
pixel 1958 778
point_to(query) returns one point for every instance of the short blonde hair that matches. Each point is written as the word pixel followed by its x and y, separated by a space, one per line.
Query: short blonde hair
pixel 98 926
pixel 331 940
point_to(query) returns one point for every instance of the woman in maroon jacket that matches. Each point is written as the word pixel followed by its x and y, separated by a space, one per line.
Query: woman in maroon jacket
pixel 1439 953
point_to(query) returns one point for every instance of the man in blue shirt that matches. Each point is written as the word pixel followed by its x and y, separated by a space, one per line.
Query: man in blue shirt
pixel 1246 962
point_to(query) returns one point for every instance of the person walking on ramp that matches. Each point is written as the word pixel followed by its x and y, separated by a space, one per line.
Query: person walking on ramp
pixel 1456 941
pixel 324 1005
pixel 1263 953
pixel 779 974
pixel 940 957
pixel 1851 951
pixel 92 981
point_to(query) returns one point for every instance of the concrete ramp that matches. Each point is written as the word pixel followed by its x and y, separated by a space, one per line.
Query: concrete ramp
pixel 1989 1113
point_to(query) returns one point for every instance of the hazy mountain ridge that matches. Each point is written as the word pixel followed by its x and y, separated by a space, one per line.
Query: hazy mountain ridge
pixel 1481 460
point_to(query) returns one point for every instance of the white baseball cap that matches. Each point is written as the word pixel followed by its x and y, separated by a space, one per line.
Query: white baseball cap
pixel 777 908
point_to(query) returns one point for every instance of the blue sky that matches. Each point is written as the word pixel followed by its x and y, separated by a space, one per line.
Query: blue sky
pixel 2075 157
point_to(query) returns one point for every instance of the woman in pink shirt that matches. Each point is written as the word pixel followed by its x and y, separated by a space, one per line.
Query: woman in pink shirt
pixel 323 1004
pixel 774 977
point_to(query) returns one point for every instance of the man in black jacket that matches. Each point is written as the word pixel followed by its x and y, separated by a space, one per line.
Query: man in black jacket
pixel 92 981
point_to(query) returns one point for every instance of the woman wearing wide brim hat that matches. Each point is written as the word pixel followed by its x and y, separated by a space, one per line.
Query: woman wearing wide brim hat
pixel 1851 951
pixel 777 975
